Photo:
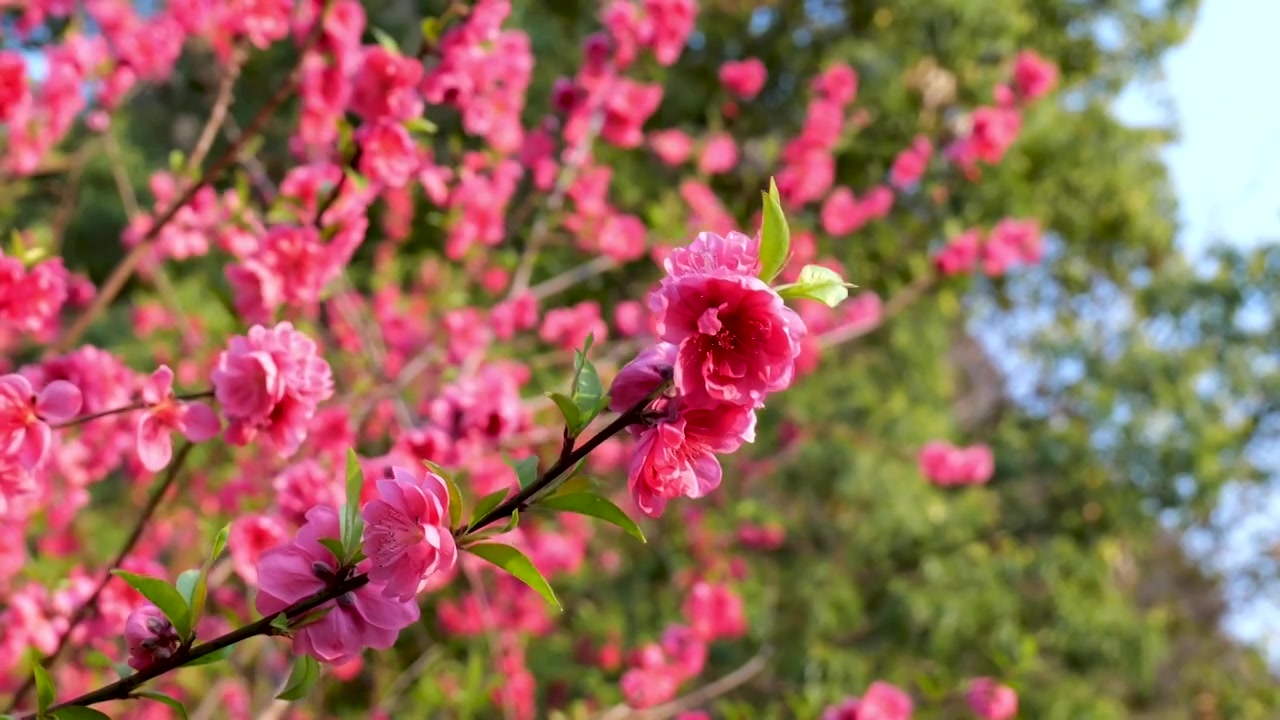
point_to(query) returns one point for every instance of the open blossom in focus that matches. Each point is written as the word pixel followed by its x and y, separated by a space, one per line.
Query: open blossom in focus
pixel 407 536
pixel 944 464
pixel 675 455
pixel 150 637
pixel 301 568
pixel 737 340
pixel 166 414
pixel 990 700
pixel 270 382
pixel 24 416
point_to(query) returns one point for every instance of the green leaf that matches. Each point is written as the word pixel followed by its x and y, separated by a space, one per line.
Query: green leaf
pixel 303 677
pixel 587 393
pixel 585 503
pixel 311 617
pixel 79 712
pixel 421 126
pixel 351 526
pixel 580 360
pixel 487 503
pixel 162 595
pixel 385 40
pixel 44 687
pixel 775 236
pixel 455 495
pixel 526 470
pixel 817 283
pixel 200 592
pixel 211 658
pixel 334 546
pixel 219 543
pixel 431 28
pixel 512 521
pixel 576 484
pixel 514 562
pixel 568 409
pixel 186 584
pixel 280 622
pixel 162 698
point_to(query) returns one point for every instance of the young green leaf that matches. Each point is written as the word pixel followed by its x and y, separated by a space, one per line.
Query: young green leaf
pixel 219 544
pixel 303 677
pixel 79 712
pixel 585 503
pixel 526 469
pixel 587 394
pixel 351 527
pixel 280 622
pixel 178 709
pixel 579 360
pixel 512 521
pixel 775 236
pixel 162 595
pixel 487 503
pixel 455 495
pixel 196 599
pixel 576 484
pixel 334 546
pixel 186 584
pixel 386 41
pixel 514 562
pixel 817 283
pixel 568 409
pixel 44 687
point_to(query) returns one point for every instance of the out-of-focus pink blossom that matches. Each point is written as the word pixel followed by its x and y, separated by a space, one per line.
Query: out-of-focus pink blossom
pixel 744 78
pixel 165 414
pixel 25 416
pixel 947 465
pixel 991 700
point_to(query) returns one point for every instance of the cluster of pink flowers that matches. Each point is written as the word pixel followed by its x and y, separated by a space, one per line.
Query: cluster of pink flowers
pixel 662 26
pixel 658 669
pixel 947 465
pixel 843 214
pixel 32 297
pixel 808 161
pixel 270 382
pixel 1010 243
pixel 993 128
pixel 726 340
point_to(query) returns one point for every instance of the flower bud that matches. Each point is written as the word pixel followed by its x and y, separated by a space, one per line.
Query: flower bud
pixel 150 637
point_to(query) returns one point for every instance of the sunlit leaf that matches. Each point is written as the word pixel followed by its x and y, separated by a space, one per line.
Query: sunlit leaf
pixel 514 562
pixel 585 503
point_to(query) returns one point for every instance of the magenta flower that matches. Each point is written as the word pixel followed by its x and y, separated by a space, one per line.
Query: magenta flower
pixel 990 700
pixel 150 637
pixel 677 458
pixel 271 381
pixel 733 253
pixel 359 619
pixel 744 78
pixel 737 340
pixel 24 416
pixel 407 536
pixel 166 414
pixel 883 701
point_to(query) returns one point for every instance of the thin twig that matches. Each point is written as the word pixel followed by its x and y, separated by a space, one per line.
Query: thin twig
pixel 402 682
pixel 218 116
pixel 573 276
pixel 699 697
pixel 127 408
pixel 82 612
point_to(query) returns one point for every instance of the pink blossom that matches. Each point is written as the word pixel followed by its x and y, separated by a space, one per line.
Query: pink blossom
pixel 719 154
pixel 270 381
pixel 990 700
pixel 737 340
pixel 672 147
pixel 388 155
pixel 841 213
pixel 385 86
pixel 299 569
pixel 24 416
pixel 302 486
pixel 407 536
pixel 846 709
pixel 629 318
pixel 947 465
pixel 672 22
pixel 627 106
pixel 911 163
pixel 714 611
pixel 685 650
pixel 642 688
pixel 960 254
pixel 883 701
pixel 166 414
pixel 13 83
pixel 744 78
pixel 677 458
pixel 734 253
pixel 150 637
pixel 567 328
pixel 838 83
pixel 251 536
pixel 1033 76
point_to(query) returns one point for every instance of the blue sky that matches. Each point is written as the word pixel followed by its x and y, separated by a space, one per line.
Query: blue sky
pixel 1226 170
pixel 1226 165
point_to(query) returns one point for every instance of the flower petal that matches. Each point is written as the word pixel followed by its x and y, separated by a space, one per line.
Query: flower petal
pixel 59 401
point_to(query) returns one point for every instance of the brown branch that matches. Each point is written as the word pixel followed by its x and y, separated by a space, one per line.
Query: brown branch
pixel 699 697
pixel 126 408
pixel 82 612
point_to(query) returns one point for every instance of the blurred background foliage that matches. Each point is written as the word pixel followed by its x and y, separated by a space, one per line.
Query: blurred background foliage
pixel 1121 385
